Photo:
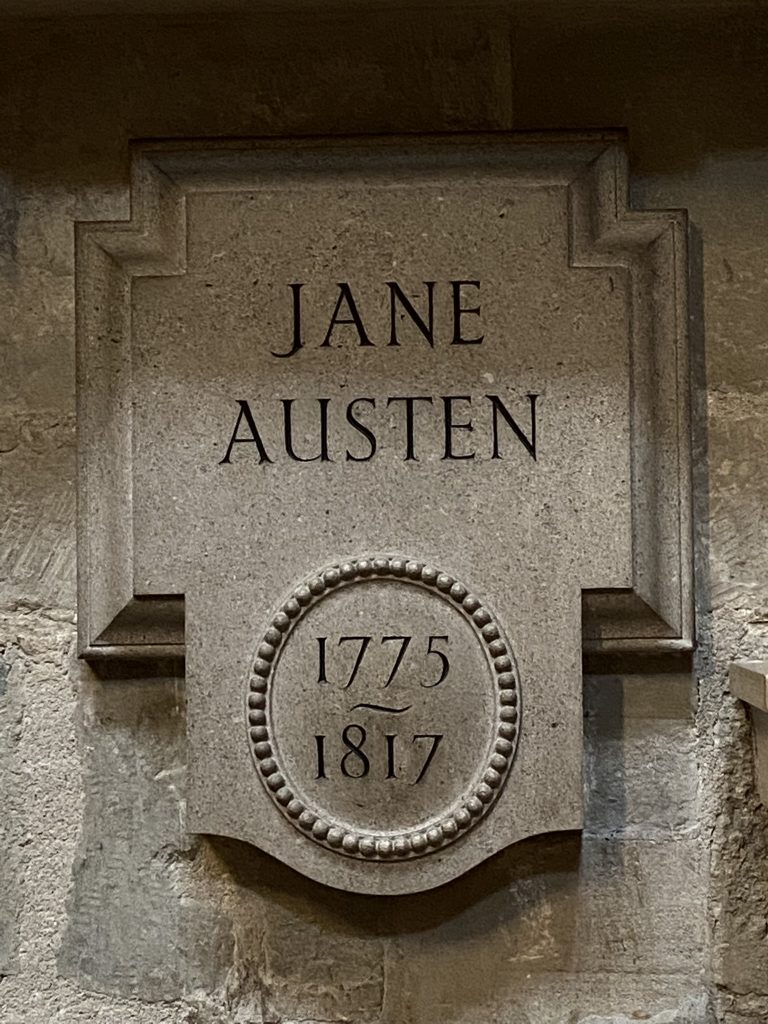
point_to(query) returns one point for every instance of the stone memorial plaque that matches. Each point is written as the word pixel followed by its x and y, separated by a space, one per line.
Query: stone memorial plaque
pixel 380 434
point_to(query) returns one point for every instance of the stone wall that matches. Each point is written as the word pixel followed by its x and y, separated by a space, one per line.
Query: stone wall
pixel 108 910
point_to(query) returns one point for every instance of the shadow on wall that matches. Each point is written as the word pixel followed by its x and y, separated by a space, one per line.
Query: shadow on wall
pixel 525 863
pixel 685 82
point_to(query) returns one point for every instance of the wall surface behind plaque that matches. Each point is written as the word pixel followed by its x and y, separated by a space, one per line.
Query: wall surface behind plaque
pixel 108 911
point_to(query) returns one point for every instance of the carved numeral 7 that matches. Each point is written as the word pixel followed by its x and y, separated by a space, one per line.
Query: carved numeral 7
pixel 436 739
pixel 405 640
pixel 364 641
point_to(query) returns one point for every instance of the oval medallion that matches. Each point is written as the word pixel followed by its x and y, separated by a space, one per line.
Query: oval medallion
pixel 383 708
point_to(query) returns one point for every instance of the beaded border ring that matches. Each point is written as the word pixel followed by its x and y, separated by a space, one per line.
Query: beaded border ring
pixel 470 808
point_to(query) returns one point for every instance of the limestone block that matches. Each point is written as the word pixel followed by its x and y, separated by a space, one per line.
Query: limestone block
pixel 641 773
pixel 315 968
pixel 141 922
pixel 10 853
pixel 543 907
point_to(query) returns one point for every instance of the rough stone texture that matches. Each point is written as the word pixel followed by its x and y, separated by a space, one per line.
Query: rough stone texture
pixel 138 841
pixel 661 915
pixel 10 800
pixel 732 571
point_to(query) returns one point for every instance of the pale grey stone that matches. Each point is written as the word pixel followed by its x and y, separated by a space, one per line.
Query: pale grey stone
pixel 37 559
pixel 10 859
pixel 695 1011
pixel 640 767
pixel 133 842
pixel 230 475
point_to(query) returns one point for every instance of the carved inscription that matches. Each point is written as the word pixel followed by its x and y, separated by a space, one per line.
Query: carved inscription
pixel 456 427
pixel 401 308
pixel 355 746
pixel 391 709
